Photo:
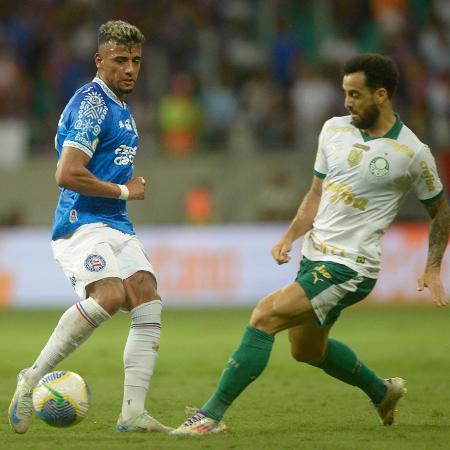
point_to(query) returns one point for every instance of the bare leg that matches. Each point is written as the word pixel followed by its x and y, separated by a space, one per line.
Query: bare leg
pixel 309 342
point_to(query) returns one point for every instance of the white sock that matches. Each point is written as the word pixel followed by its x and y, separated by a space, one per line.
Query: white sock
pixel 74 327
pixel 139 358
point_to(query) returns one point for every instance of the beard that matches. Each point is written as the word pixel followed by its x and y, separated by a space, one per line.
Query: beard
pixel 124 89
pixel 367 118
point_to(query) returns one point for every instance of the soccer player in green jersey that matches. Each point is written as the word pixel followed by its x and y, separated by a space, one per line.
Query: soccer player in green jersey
pixel 366 163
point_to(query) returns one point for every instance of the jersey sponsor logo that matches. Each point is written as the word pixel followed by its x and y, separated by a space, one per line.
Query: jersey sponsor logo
pixel 82 139
pixel 427 176
pixel 401 147
pixel 334 129
pixel 73 280
pixel 325 248
pixel 73 216
pixel 95 263
pixel 379 167
pixel 124 155
pixel 343 192
pixel 126 124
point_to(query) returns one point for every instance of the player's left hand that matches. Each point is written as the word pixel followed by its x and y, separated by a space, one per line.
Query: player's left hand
pixel 136 188
pixel 431 279
pixel 280 251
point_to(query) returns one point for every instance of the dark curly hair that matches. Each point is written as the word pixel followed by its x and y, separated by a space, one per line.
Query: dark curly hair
pixel 380 71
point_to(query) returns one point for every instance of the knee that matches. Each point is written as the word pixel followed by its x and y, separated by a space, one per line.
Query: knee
pixel 109 295
pixel 268 317
pixel 115 300
pixel 140 288
pixel 263 319
pixel 308 356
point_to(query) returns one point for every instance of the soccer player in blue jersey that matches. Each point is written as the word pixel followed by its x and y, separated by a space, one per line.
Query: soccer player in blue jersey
pixel 93 240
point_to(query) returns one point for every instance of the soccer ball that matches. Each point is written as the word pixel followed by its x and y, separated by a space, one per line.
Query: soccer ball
pixel 61 398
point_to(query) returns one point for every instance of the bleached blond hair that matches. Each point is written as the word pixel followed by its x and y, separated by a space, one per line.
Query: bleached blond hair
pixel 121 32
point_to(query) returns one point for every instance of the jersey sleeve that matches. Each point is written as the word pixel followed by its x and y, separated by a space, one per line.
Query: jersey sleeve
pixel 86 120
pixel 427 184
pixel 321 165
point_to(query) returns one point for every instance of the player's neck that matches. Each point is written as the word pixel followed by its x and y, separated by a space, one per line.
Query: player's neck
pixel 120 95
pixel 384 123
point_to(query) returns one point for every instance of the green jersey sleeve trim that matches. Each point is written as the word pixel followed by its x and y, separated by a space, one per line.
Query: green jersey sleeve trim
pixel 319 175
pixel 434 199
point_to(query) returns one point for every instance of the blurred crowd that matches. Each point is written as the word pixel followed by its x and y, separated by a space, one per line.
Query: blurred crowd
pixel 238 76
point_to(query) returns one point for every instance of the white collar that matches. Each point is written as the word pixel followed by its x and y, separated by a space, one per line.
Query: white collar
pixel 109 92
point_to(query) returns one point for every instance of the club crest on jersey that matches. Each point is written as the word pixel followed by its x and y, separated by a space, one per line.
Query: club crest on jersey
pixel 379 167
pixel 356 154
pixel 354 157
pixel 94 263
pixel 73 216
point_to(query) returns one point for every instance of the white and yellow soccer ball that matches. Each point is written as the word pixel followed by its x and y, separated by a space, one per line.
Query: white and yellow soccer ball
pixel 61 398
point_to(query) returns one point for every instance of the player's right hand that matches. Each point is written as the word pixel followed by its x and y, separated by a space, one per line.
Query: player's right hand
pixel 431 279
pixel 136 188
pixel 280 251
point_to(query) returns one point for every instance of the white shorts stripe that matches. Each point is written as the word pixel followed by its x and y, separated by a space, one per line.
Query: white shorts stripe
pixel 324 302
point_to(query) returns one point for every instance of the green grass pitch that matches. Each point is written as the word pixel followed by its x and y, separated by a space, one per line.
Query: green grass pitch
pixel 291 406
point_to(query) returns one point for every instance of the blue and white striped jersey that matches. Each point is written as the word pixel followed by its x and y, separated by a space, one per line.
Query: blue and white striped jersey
pixel 96 122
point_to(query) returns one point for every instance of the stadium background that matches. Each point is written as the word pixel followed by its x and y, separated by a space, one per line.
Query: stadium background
pixel 231 97
pixel 229 103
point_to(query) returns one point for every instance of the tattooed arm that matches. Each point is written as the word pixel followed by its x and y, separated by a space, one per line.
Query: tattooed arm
pixel 438 237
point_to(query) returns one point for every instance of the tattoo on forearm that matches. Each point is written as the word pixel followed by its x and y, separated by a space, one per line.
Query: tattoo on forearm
pixel 438 237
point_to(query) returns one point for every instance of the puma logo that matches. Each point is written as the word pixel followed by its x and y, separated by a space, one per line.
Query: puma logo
pixel 322 271
pixel 316 278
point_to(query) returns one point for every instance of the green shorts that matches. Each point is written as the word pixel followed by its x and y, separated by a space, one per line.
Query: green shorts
pixel 331 287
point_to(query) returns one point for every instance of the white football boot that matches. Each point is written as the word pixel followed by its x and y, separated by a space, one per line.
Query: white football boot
pixel 144 422
pixel 199 424
pixel 21 408
pixel 386 408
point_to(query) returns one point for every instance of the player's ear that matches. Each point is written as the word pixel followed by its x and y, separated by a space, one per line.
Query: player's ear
pixel 380 95
pixel 98 61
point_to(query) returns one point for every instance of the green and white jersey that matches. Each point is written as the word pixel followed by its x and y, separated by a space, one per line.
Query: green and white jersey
pixel 365 181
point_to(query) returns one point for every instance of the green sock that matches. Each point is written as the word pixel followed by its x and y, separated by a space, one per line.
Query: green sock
pixel 244 366
pixel 341 362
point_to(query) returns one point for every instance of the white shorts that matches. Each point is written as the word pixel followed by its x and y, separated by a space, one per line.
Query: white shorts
pixel 96 251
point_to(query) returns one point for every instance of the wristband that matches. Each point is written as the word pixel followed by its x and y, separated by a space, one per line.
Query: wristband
pixel 124 192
